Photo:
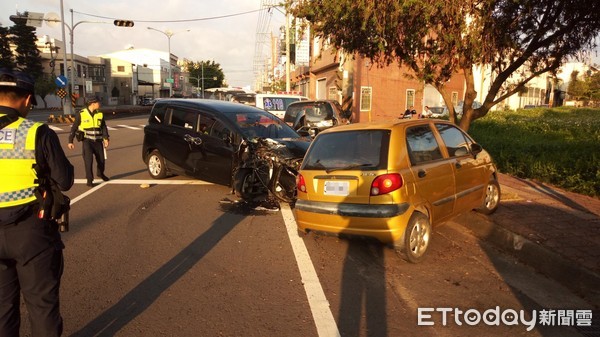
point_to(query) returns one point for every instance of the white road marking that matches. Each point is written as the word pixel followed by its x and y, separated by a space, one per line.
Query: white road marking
pixel 54 128
pixel 147 181
pixel 128 127
pixel 319 305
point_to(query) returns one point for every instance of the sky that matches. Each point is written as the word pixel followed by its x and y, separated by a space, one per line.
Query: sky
pixel 229 41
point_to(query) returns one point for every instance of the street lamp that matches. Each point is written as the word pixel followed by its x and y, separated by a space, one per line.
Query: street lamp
pixel 168 34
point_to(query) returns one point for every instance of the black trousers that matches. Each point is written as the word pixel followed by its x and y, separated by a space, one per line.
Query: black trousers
pixel 31 263
pixel 93 149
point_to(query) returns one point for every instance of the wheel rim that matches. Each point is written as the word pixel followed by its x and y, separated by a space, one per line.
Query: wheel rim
pixel 491 196
pixel 154 165
pixel 419 239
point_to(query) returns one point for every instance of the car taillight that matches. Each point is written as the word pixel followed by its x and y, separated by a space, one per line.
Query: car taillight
pixel 386 183
pixel 300 183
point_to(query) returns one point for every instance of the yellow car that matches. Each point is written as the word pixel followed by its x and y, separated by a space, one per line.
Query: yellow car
pixel 393 181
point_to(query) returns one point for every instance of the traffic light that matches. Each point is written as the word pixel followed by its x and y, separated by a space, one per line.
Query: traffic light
pixel 124 23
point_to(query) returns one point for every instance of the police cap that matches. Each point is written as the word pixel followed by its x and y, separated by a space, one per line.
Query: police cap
pixel 19 81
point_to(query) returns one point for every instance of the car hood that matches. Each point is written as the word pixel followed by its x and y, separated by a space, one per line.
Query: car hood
pixel 297 147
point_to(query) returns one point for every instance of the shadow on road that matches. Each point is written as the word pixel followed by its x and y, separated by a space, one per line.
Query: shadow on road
pixel 363 295
pixel 143 296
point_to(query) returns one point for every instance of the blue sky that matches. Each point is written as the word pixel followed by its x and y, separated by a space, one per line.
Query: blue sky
pixel 228 41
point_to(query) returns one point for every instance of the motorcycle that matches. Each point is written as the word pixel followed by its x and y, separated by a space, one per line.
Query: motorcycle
pixel 267 167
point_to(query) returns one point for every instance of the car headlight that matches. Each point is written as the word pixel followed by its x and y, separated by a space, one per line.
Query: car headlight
pixel 325 123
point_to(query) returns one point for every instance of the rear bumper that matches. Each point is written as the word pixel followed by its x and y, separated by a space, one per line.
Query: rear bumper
pixel 352 210
pixel 386 223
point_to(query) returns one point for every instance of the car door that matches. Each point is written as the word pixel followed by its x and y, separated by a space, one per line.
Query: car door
pixel 217 150
pixel 180 141
pixel 468 174
pixel 433 174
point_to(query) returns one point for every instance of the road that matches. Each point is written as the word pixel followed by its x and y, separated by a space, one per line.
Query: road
pixel 178 258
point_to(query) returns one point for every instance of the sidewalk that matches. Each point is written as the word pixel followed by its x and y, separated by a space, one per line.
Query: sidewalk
pixel 554 231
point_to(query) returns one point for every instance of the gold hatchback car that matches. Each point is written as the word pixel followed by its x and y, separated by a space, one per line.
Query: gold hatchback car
pixel 393 181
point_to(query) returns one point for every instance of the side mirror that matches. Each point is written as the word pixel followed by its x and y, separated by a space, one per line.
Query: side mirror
pixel 476 149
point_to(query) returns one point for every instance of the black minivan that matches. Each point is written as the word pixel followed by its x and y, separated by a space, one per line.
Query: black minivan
pixel 199 137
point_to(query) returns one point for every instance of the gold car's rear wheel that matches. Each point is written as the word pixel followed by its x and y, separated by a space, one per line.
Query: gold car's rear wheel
pixel 416 238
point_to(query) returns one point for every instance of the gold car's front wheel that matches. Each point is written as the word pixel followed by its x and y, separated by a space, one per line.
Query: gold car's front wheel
pixel 416 238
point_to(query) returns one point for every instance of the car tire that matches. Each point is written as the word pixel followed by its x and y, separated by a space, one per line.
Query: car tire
pixel 156 165
pixel 244 177
pixel 491 201
pixel 416 239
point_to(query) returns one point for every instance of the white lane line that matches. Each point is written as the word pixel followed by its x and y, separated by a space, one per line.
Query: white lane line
pixel 319 305
pixel 54 128
pixel 128 127
pixel 147 181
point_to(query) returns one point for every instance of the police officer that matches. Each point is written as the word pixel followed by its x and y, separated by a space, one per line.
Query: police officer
pixel 31 259
pixel 91 122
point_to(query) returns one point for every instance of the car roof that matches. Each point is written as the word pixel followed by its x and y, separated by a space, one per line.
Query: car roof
pixel 213 105
pixel 383 125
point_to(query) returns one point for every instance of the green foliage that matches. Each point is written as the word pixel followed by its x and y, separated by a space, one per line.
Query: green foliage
pixel 6 56
pixel 27 56
pixel 559 146
pixel 211 71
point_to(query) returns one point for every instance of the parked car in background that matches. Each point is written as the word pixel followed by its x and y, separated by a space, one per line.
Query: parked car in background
pixel 393 181
pixel 276 103
pixel 246 98
pixel 199 137
pixel 313 116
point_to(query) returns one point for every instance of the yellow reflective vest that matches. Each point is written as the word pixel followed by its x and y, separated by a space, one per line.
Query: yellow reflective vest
pixel 90 124
pixel 18 180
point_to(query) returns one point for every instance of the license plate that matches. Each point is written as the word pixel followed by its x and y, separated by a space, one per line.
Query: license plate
pixel 336 188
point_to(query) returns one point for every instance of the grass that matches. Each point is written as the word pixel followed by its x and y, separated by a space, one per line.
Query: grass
pixel 559 146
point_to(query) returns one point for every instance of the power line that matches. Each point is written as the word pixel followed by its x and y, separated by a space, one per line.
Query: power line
pixel 183 20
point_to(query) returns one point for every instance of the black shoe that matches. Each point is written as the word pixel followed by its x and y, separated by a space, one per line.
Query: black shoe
pixel 90 183
pixel 103 177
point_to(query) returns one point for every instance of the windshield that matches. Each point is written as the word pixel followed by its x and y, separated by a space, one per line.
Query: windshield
pixel 349 150
pixel 262 124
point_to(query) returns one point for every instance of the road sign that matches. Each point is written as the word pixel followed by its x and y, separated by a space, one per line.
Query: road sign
pixel 61 81
pixel 169 80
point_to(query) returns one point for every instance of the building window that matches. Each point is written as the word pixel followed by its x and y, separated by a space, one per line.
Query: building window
pixel 365 98
pixel 121 69
pixel 79 70
pixel 410 98
pixel 454 98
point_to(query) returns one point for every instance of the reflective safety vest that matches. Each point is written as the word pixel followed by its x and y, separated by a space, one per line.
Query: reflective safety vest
pixel 90 125
pixel 18 179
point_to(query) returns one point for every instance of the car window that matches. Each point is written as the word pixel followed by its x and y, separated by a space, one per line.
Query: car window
pixel 350 150
pixel 206 122
pixel 457 143
pixel 219 130
pixel 422 145
pixel 293 111
pixel 158 114
pixel 186 119
pixel 261 124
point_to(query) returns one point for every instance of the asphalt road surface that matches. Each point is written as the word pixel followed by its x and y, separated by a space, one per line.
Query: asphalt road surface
pixel 179 258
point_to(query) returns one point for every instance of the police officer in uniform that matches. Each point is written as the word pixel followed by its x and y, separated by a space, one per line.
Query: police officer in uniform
pixel 31 259
pixel 91 122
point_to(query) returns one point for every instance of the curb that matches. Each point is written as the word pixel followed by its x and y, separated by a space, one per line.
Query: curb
pixel 568 273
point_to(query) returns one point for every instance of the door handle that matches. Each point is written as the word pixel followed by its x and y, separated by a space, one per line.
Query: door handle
pixel 421 173
pixel 457 165
pixel 193 140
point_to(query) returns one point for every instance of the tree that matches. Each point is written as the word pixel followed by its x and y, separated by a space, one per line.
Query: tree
pixel 27 56
pixel 6 56
pixel 44 85
pixel 516 39
pixel 213 74
pixel 577 88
